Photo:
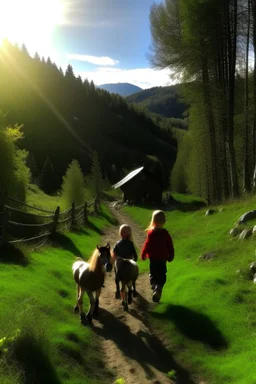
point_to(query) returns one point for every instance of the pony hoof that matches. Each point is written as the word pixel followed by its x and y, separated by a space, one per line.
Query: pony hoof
pixel 118 296
pixel 76 309
pixel 83 319
pixel 129 299
pixel 126 308
pixel 89 318
pixel 135 293
pixel 123 303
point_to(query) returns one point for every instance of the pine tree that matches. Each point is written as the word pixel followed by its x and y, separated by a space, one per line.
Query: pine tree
pixel 96 179
pixel 73 184
pixel 48 177
pixel 69 71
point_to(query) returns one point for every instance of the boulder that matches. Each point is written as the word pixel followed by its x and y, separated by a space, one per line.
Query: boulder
pixel 247 216
pixel 207 256
pixel 253 267
pixel 209 212
pixel 245 234
pixel 235 231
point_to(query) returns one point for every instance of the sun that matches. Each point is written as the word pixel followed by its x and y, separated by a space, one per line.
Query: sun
pixel 31 22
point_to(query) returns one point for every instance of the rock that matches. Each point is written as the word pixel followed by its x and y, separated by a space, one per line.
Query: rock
pixel 235 231
pixel 209 212
pixel 253 267
pixel 221 210
pixel 247 216
pixel 207 256
pixel 245 234
pixel 254 278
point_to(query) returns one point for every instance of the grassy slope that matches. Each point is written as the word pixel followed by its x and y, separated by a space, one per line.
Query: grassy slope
pixel 38 299
pixel 208 309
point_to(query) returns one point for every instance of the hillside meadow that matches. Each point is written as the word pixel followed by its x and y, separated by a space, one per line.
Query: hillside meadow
pixel 41 340
pixel 207 311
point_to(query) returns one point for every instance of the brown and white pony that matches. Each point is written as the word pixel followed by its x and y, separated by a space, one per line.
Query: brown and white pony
pixel 89 277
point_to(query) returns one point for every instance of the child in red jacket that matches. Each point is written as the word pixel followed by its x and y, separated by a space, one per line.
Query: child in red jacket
pixel 159 249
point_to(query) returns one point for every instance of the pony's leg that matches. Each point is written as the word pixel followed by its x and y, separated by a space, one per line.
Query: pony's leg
pixel 96 306
pixel 129 293
pixel 124 296
pixel 118 296
pixel 81 305
pixel 76 307
pixel 89 314
pixel 135 293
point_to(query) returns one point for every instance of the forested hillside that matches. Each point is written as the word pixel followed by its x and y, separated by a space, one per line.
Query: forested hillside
pixel 213 45
pixel 65 117
pixel 164 101
pixel 166 105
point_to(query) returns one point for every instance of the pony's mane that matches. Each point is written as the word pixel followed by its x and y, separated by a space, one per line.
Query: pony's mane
pixel 94 261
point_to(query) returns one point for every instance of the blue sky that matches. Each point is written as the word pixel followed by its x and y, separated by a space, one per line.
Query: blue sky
pixel 108 41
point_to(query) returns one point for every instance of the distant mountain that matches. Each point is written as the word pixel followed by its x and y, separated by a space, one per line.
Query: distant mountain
pixel 164 101
pixel 122 89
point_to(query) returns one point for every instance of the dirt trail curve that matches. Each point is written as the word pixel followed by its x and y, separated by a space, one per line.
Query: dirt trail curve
pixel 132 349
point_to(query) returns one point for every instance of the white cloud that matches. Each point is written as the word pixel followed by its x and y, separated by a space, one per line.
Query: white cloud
pixel 142 77
pixel 97 60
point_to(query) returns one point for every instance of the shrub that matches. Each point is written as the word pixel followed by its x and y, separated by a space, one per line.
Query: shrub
pixel 15 175
pixel 73 184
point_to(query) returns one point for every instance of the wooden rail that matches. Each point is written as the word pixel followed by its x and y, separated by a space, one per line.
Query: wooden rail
pixel 15 223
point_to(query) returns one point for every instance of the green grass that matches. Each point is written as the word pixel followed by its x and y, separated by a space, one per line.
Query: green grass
pixel 41 340
pixel 39 199
pixel 208 310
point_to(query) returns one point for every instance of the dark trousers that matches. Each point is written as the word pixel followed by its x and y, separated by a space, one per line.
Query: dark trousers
pixel 157 272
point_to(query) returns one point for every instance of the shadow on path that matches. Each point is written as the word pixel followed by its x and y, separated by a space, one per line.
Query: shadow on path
pixel 194 325
pixel 145 348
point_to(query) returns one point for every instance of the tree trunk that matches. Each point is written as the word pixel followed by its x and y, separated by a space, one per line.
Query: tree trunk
pixel 253 8
pixel 232 56
pixel 246 171
pixel 211 126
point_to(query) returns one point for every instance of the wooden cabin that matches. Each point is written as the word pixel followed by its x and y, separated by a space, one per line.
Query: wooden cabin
pixel 140 186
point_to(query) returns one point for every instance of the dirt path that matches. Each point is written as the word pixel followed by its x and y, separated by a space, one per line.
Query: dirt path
pixel 132 349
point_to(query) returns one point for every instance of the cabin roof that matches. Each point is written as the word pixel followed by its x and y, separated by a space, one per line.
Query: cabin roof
pixel 127 178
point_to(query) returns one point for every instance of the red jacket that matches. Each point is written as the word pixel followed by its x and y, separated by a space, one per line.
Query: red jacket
pixel 158 246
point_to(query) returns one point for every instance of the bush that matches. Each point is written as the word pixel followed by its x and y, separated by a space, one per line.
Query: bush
pixel 73 184
pixel 15 175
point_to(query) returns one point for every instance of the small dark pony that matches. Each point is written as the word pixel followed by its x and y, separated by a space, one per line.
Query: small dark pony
pixel 89 277
pixel 126 272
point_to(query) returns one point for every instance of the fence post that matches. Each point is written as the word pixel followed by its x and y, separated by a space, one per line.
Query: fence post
pixel 85 214
pixel 73 214
pixel 55 220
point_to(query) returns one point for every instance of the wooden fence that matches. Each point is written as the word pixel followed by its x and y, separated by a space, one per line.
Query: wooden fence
pixel 19 225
